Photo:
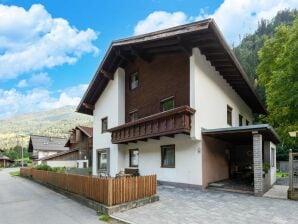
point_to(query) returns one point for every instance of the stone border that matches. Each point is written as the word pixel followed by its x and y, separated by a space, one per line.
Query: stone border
pixel 107 210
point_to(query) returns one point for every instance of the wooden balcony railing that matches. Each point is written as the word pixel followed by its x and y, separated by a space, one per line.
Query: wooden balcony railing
pixel 168 123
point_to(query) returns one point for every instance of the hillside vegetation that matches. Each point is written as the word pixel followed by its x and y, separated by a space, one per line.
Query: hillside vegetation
pixel 55 122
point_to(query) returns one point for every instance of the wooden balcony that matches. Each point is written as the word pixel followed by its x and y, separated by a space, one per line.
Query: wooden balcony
pixel 168 123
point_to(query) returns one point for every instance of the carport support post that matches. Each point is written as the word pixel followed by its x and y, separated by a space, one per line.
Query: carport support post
pixel 258 163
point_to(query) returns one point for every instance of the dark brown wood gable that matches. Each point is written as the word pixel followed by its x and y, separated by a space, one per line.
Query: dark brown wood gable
pixel 204 34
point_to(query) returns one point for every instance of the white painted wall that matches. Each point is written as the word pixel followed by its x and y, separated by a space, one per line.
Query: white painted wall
pixel 188 166
pixel 209 95
pixel 60 163
pixel 111 104
pixel 273 169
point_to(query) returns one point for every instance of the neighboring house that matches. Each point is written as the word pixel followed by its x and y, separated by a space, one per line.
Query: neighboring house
pixel 5 161
pixel 44 146
pixel 81 138
pixel 79 153
pixel 177 103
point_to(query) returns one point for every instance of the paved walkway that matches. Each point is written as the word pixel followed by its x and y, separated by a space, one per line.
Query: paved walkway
pixel 277 191
pixel 26 202
pixel 191 206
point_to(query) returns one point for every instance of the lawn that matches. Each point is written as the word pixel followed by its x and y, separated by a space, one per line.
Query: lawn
pixel 281 174
pixel 15 173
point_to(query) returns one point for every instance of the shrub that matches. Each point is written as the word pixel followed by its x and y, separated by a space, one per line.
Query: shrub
pixel 43 167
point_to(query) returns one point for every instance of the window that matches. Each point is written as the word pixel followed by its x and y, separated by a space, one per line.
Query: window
pixel 240 120
pixel 247 122
pixel 229 115
pixel 134 80
pixel 133 115
pixel 104 125
pixel 272 157
pixel 167 104
pixel 133 157
pixel 168 156
pixel 102 160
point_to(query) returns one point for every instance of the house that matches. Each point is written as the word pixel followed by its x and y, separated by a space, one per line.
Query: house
pixel 43 146
pixel 5 161
pixel 79 153
pixel 178 104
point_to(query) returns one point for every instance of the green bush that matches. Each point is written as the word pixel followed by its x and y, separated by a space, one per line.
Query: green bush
pixel 58 169
pixel 266 167
pixel 44 167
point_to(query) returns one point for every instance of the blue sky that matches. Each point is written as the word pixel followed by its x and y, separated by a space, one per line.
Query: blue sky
pixel 49 50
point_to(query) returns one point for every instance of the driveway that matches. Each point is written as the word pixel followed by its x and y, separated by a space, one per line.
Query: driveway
pixel 193 206
pixel 24 201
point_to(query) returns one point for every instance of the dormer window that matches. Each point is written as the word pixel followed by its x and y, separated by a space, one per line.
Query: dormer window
pixel 134 80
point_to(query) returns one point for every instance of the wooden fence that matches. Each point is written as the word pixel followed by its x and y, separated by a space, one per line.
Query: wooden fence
pixel 105 190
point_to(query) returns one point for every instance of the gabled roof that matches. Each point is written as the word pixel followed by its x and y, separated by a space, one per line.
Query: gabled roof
pixel 5 158
pixel 203 34
pixel 86 130
pixel 45 143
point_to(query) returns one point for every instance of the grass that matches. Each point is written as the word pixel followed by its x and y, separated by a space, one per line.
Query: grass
pixel 281 174
pixel 105 218
pixel 15 173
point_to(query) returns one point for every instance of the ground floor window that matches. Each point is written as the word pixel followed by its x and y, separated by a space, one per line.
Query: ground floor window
pixel 272 157
pixel 133 157
pixel 168 156
pixel 102 160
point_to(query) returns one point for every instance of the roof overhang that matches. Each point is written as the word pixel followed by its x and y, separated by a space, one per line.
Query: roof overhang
pixel 203 34
pixel 243 134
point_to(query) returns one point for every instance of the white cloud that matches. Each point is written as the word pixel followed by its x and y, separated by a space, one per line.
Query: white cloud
pixel 235 18
pixel 39 79
pixel 160 20
pixel 31 40
pixel 13 102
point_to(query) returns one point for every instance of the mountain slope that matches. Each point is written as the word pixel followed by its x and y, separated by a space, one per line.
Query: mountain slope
pixel 55 122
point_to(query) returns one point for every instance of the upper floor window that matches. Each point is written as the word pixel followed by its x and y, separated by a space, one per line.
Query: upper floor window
pixel 133 115
pixel 167 104
pixel 134 80
pixel 229 115
pixel 104 125
pixel 240 120
pixel 168 156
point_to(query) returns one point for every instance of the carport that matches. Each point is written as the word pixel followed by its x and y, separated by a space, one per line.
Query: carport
pixel 241 159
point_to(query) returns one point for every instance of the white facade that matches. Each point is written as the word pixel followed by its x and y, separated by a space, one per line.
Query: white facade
pixel 60 163
pixel 111 104
pixel 209 96
pixel 42 154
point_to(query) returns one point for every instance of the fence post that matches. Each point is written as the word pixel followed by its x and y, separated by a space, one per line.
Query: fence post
pixel 290 170
pixel 110 192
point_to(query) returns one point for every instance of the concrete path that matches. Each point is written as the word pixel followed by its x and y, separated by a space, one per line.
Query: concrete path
pixel 277 191
pixel 194 206
pixel 26 202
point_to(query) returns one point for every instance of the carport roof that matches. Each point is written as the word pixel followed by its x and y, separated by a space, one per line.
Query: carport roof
pixel 242 134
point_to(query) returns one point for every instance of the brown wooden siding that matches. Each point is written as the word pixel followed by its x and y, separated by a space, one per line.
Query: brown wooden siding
pixel 85 148
pixel 165 76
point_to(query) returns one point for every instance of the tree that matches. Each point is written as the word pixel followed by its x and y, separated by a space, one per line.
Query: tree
pixel 278 75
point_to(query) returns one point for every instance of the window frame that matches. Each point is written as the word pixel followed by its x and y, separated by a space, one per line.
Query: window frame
pixel 102 122
pixel 171 98
pixel 130 80
pixel 163 148
pixel 229 120
pixel 133 112
pixel 130 157
pixel 98 154
pixel 240 117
